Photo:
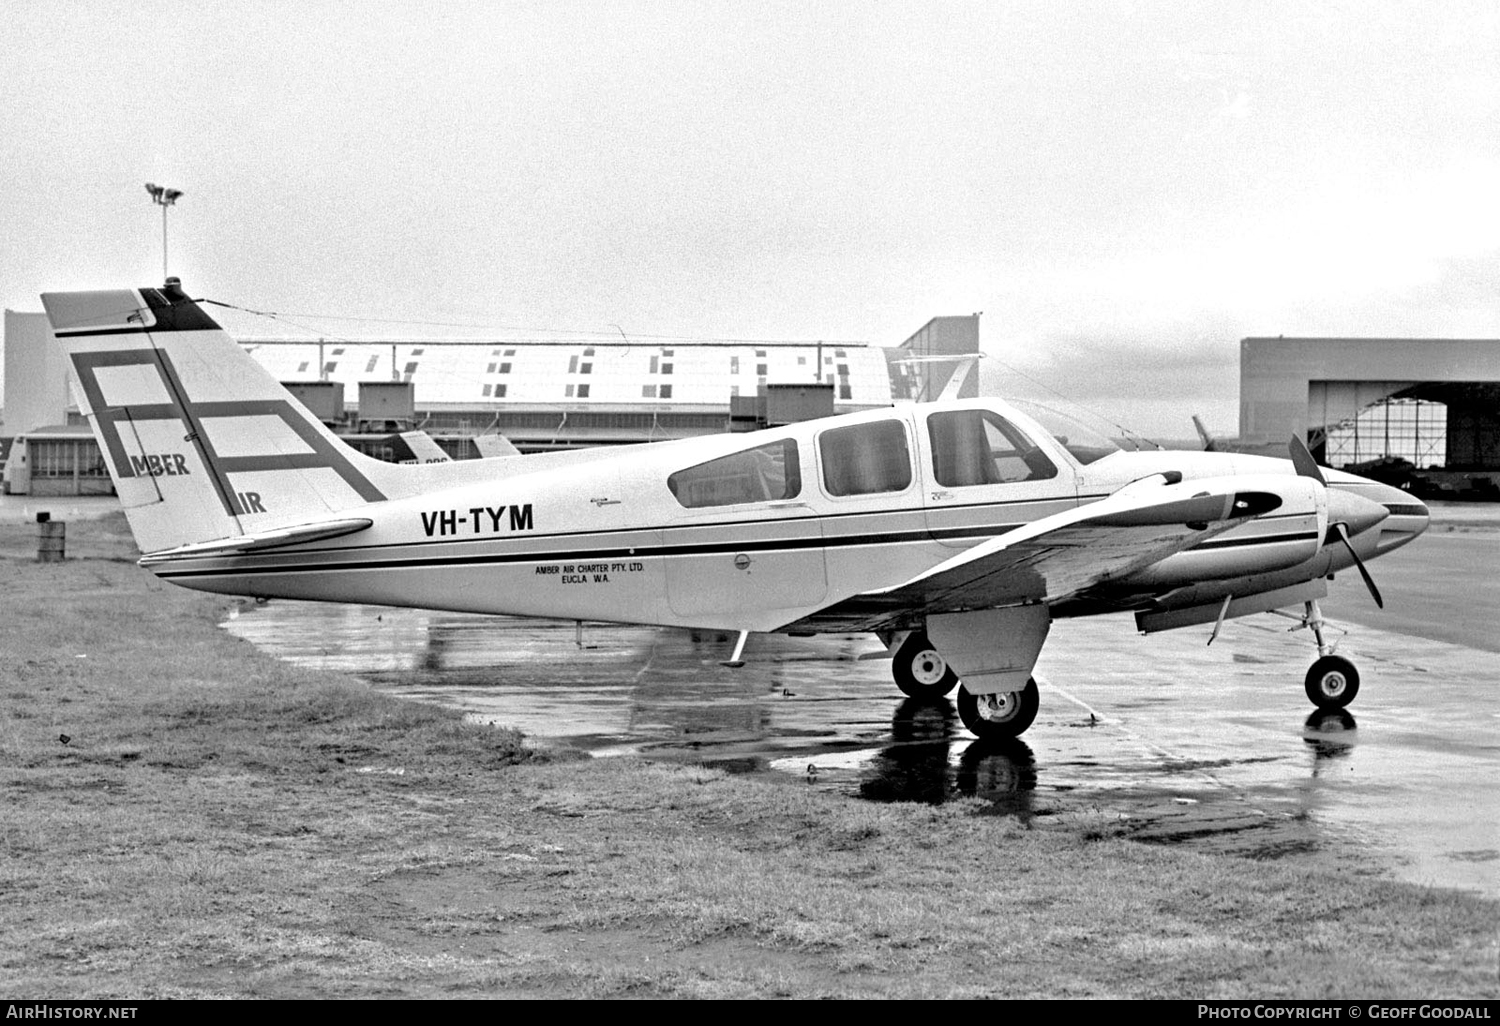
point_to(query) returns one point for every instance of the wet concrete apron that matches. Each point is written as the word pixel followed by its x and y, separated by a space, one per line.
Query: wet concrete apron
pixel 1160 738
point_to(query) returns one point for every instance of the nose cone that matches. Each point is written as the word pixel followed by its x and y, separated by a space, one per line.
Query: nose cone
pixel 1355 511
pixel 1405 517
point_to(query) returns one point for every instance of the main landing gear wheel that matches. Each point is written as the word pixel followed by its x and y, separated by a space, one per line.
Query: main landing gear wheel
pixel 919 670
pixel 1332 682
pixel 1001 716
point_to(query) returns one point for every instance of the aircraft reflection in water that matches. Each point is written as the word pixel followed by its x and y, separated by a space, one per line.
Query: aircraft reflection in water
pixel 807 700
pixel 1330 735
pixel 918 766
pixel 956 532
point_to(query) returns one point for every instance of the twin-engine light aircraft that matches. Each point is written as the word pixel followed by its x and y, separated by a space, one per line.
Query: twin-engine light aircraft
pixel 954 531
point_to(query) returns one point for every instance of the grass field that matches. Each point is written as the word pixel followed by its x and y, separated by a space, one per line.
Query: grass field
pixel 186 817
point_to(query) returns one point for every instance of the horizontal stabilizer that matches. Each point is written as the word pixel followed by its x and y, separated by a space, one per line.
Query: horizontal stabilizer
pixel 267 539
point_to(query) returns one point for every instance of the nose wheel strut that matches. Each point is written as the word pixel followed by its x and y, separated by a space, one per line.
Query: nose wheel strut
pixel 1332 681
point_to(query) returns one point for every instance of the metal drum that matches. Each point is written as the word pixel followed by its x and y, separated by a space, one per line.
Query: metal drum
pixel 51 539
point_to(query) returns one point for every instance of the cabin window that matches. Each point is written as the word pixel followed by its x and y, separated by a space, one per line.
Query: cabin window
pixel 866 458
pixel 977 447
pixel 763 474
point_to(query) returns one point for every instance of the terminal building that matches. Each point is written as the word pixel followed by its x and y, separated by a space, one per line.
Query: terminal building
pixel 538 395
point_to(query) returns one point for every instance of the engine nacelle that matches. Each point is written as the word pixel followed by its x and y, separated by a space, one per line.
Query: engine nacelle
pixel 1286 537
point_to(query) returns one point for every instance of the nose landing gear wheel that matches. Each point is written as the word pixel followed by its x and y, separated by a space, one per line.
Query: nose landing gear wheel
pixel 920 672
pixel 1000 716
pixel 1332 682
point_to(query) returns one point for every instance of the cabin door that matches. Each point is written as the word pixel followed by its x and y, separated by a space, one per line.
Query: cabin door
pixel 745 548
pixel 984 476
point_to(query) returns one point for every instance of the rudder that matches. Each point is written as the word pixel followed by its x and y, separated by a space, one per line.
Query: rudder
pixel 200 441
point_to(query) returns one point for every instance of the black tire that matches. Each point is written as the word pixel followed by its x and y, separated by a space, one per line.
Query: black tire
pixel 1009 715
pixel 1332 682
pixel 920 671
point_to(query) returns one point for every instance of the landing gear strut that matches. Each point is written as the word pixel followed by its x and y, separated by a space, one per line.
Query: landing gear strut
pixel 919 670
pixel 1332 681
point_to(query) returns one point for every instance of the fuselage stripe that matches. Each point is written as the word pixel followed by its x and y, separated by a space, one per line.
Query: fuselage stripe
pixel 593 554
pixel 272 563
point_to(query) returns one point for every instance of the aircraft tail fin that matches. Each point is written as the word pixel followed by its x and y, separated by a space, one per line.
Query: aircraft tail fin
pixel 1209 444
pixel 492 445
pixel 960 384
pixel 201 442
pixel 417 447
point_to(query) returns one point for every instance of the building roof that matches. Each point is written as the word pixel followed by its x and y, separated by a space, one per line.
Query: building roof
pixel 447 373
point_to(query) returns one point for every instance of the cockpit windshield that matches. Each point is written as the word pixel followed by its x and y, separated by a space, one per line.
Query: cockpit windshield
pixel 1085 443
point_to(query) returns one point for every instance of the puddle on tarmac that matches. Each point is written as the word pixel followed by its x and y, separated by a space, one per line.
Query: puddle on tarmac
pixel 822 711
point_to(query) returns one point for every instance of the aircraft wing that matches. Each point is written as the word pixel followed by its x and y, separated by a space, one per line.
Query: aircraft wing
pixel 1055 558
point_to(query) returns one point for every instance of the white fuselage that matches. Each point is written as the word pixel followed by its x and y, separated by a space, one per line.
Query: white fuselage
pixel 747 532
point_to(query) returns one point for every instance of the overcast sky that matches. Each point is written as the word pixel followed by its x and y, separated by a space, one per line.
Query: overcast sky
pixel 1124 189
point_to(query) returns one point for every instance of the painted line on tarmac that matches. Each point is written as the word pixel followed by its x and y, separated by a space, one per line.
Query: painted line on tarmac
pixel 1156 748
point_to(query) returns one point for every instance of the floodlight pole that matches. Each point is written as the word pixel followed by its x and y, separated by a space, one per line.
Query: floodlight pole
pixel 164 198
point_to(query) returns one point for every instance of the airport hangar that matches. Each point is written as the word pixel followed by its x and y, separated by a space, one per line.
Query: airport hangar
pixel 1389 406
pixel 540 395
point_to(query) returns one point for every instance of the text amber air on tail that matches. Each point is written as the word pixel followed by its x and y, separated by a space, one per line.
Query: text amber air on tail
pixel 201 442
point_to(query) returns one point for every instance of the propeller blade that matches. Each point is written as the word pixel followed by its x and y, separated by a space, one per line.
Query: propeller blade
pixel 1302 459
pixel 1343 532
